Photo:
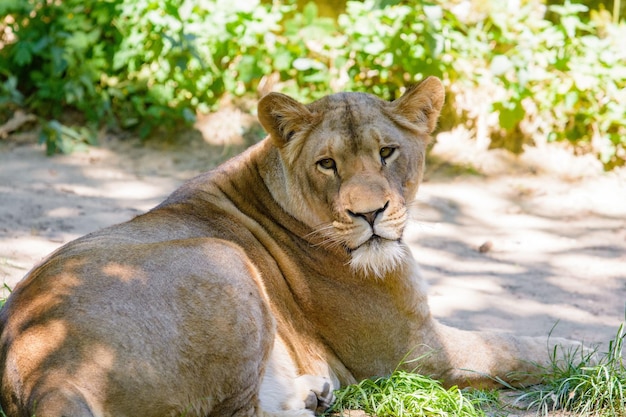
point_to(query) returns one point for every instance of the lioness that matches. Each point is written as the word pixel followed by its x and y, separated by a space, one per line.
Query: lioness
pixel 255 289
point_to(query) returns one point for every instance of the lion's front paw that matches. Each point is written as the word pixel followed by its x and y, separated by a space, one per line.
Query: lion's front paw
pixel 317 392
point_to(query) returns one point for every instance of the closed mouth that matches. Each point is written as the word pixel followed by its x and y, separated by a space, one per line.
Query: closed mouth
pixel 374 240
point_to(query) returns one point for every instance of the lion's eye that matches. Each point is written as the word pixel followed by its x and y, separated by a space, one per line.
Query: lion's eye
pixel 386 152
pixel 327 163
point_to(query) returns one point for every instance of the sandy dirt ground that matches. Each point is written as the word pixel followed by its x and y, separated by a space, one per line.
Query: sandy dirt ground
pixel 506 243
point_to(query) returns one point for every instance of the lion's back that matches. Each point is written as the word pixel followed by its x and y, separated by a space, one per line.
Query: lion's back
pixel 131 315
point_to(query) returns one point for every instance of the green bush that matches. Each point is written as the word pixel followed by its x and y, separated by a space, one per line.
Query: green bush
pixel 551 81
pixel 512 75
pixel 60 54
pixel 138 64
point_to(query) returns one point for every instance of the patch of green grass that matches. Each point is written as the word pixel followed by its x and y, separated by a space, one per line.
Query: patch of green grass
pixel 2 301
pixel 583 384
pixel 408 394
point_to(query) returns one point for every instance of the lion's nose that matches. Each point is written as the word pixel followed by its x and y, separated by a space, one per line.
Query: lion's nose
pixel 369 216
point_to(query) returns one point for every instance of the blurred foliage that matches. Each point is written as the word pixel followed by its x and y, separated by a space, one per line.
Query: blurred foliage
pixel 516 72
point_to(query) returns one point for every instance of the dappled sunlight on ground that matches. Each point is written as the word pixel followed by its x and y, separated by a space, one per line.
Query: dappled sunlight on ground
pixel 506 244
pixel 525 248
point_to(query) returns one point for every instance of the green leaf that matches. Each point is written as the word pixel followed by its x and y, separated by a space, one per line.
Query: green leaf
pixel 189 115
pixel 283 60
pixel 247 69
pixel 375 47
pixel 510 114
pixel 304 64
pixel 122 58
pixel 22 55
pixel 58 61
pixel 434 13
pixel 12 6
pixel 40 45
pixel 571 99
pixel 309 13
pixel 500 64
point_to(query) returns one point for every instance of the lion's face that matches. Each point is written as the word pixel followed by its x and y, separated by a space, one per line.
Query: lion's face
pixel 352 163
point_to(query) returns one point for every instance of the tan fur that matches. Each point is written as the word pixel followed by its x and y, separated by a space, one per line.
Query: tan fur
pixel 254 288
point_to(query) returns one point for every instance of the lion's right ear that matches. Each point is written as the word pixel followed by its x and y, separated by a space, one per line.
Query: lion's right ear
pixel 282 117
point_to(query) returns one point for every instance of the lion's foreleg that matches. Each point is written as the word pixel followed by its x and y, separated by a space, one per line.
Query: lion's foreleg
pixel 483 359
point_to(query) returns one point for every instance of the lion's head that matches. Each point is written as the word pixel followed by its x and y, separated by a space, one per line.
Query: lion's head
pixel 352 164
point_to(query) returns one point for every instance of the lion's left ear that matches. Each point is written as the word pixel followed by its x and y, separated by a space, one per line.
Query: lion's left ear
pixel 282 116
pixel 422 103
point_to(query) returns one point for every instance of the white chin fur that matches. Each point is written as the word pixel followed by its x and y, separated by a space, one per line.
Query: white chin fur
pixel 378 258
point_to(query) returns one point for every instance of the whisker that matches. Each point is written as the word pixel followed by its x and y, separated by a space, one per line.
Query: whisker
pixel 319 230
pixel 331 242
pixel 323 237
pixel 416 203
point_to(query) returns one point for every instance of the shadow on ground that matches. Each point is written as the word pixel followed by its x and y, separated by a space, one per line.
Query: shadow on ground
pixel 517 251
